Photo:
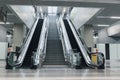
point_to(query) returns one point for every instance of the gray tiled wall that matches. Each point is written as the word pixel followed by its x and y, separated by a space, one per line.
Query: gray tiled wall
pixel 2 34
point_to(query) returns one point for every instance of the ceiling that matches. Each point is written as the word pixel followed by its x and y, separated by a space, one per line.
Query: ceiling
pixel 108 8
pixel 11 18
pixel 105 20
pixel 60 2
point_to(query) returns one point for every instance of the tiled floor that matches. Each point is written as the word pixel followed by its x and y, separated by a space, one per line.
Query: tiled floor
pixel 112 72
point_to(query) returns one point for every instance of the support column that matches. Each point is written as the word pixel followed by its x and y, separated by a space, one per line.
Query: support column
pixel 18 35
pixel 88 36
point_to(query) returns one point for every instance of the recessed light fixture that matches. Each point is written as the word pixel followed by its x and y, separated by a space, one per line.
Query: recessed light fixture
pixel 41 9
pixel 6 23
pixel 102 25
pixel 115 17
pixel 111 17
pixel 10 14
pixel 64 9
pixel 102 16
pixel 95 37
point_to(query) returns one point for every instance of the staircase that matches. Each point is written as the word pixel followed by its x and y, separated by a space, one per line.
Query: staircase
pixel 54 54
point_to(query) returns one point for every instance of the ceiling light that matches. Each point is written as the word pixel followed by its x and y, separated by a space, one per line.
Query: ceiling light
pixel 41 10
pixel 111 17
pixel 9 35
pixel 64 9
pixel 115 17
pixel 103 16
pixel 10 14
pixel 104 25
pixel 6 23
pixel 95 37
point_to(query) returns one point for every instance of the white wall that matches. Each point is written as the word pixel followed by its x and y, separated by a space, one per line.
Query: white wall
pixel 3 50
pixel 118 49
pixel 101 48
pixel 114 51
pixel 3 42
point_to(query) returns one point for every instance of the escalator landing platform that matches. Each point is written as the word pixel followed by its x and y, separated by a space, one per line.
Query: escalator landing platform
pixel 55 66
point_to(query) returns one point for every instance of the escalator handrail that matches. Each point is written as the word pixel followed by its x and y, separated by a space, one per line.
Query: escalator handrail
pixel 82 48
pixel 65 40
pixel 46 36
pixel 25 39
pixel 65 36
pixel 25 47
pixel 84 43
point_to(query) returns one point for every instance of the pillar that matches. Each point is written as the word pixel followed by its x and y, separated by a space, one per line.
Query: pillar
pixel 88 36
pixel 18 35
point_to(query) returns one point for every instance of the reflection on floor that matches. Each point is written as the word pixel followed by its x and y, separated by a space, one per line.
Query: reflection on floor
pixel 112 72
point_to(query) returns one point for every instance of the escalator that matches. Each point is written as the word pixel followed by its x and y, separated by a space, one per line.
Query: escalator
pixel 33 44
pixel 54 51
pixel 29 46
pixel 73 42
pixel 78 46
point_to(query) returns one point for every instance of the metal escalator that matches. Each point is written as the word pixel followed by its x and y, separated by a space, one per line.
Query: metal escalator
pixel 78 46
pixel 33 44
pixel 39 55
pixel 26 51
pixel 54 54
pixel 73 42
